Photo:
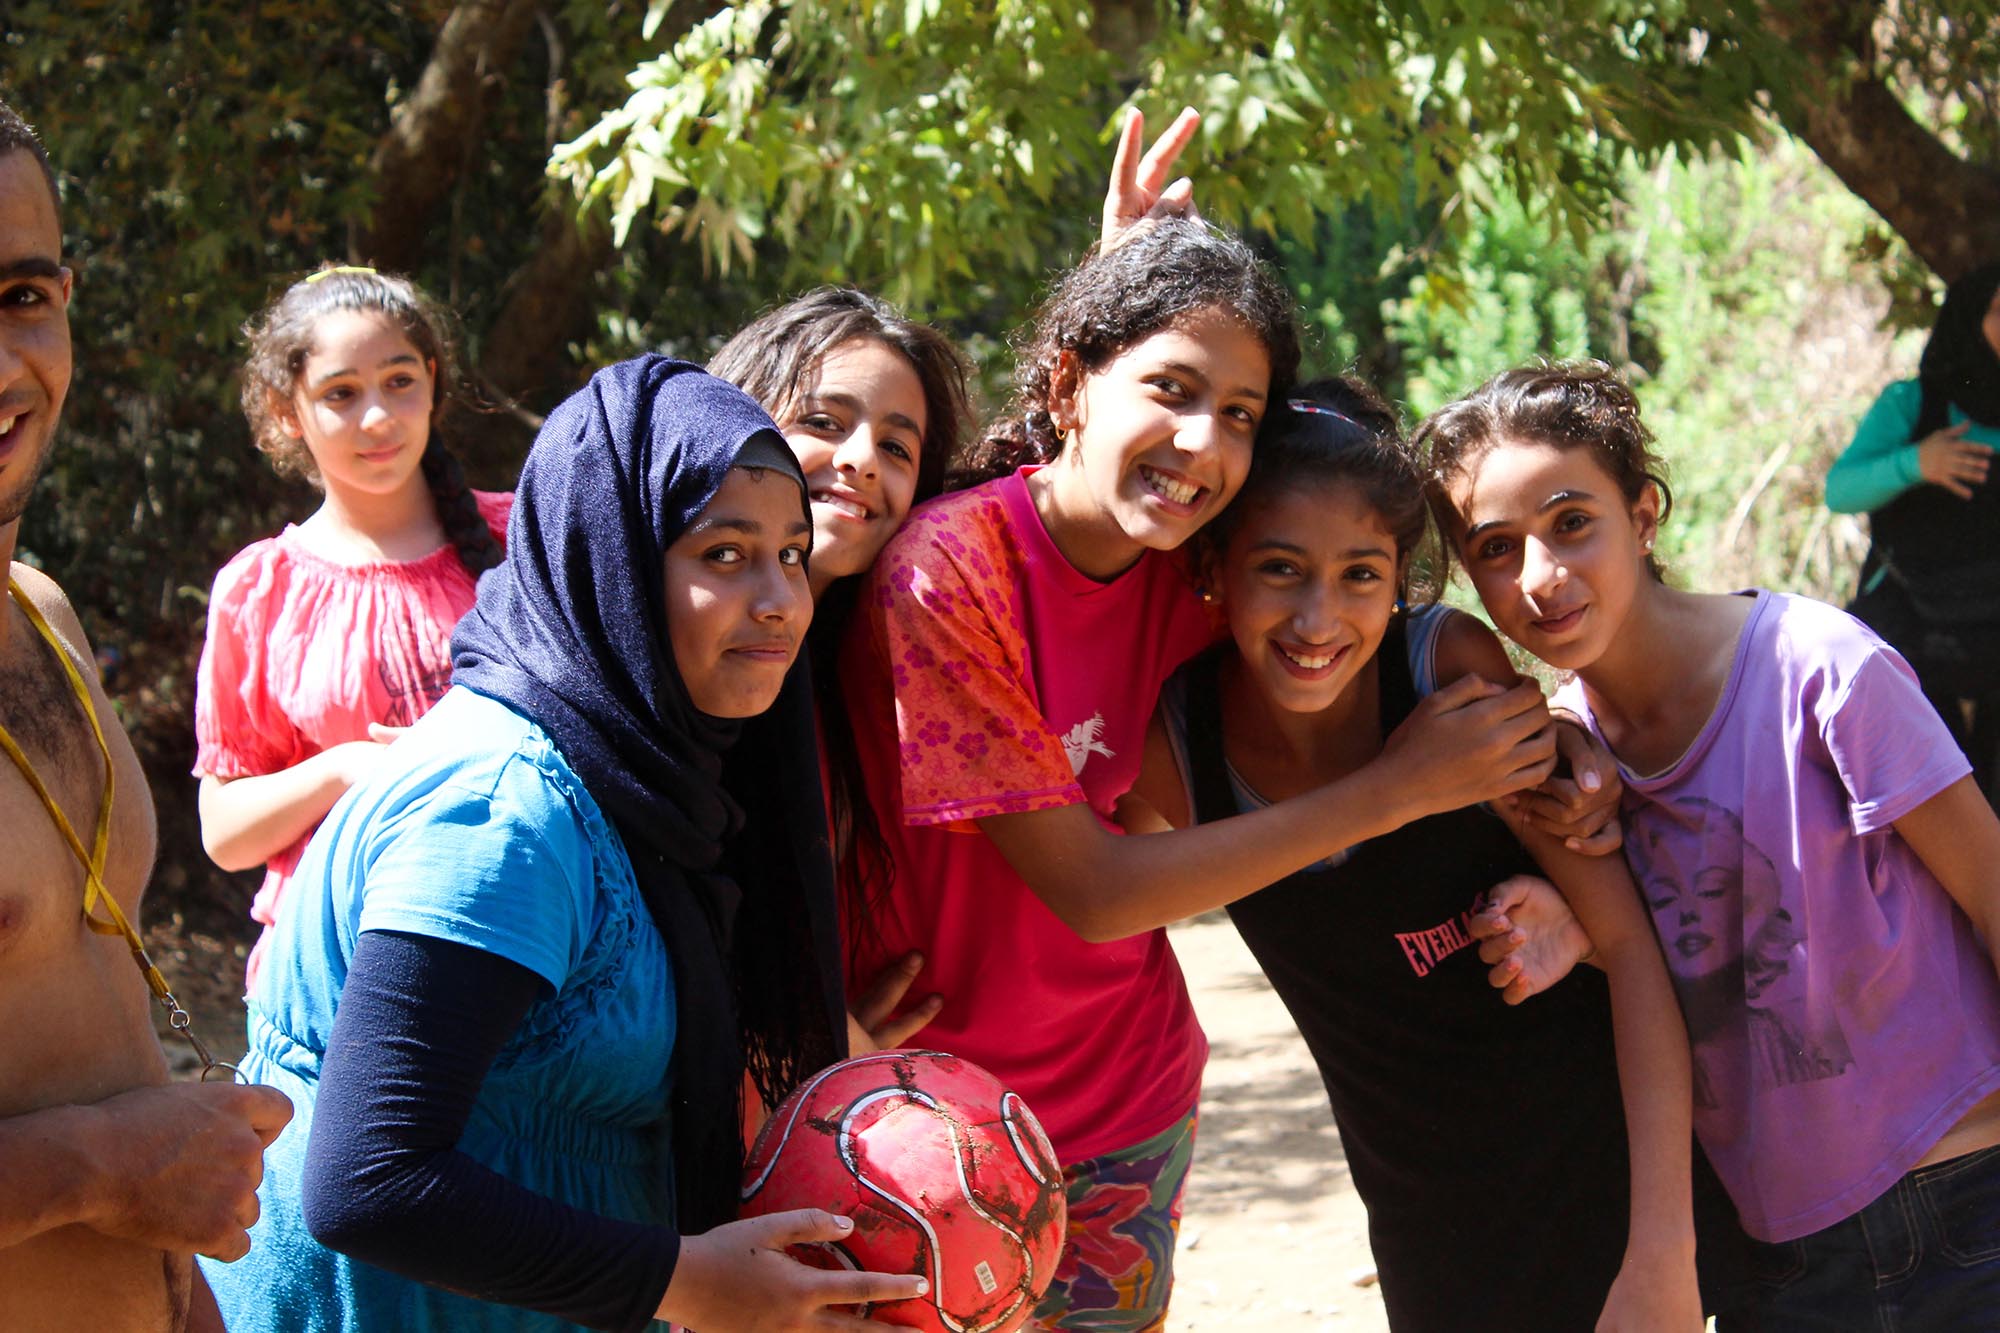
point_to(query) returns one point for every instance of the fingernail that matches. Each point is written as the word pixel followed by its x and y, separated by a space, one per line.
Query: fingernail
pixel 843 1224
pixel 1574 844
pixel 1590 781
pixel 923 1286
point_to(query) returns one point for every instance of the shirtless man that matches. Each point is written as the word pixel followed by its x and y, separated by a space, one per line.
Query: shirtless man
pixel 111 1178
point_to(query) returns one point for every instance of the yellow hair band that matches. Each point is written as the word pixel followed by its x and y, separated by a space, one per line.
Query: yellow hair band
pixel 340 268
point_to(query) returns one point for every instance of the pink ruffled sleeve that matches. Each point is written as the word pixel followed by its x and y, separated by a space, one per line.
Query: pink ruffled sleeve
pixel 240 731
pixel 496 507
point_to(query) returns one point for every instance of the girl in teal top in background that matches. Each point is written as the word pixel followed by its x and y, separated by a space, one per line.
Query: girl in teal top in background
pixel 1918 467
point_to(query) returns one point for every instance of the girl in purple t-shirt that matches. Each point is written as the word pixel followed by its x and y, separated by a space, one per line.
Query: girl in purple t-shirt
pixel 1823 875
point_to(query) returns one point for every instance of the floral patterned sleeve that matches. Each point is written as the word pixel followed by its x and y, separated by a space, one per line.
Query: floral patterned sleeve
pixel 971 735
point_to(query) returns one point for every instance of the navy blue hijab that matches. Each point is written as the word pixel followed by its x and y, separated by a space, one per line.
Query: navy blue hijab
pixel 729 847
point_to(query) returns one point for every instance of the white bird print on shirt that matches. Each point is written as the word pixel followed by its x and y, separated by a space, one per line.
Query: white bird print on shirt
pixel 1084 740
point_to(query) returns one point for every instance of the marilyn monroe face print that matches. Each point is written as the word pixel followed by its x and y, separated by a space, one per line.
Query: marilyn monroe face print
pixel 1736 951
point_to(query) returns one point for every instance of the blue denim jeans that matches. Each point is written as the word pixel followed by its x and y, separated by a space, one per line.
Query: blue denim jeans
pixel 1923 1258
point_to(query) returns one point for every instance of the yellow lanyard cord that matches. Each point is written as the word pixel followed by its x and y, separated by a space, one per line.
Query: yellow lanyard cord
pixel 94 890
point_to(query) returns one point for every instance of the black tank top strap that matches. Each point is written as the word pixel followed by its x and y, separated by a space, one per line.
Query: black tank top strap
pixel 1395 687
pixel 1208 768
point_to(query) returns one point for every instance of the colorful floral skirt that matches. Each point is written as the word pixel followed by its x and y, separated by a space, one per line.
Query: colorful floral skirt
pixel 1117 1265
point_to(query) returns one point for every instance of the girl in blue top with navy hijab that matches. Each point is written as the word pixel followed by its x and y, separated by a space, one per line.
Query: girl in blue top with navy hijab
pixel 523 970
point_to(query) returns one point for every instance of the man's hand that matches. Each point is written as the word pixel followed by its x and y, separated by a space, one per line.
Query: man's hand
pixel 178 1165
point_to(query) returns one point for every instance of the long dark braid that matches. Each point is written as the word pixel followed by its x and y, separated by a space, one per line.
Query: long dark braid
pixel 458 510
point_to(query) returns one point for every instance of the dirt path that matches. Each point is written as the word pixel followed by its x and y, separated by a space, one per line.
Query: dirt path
pixel 1274 1237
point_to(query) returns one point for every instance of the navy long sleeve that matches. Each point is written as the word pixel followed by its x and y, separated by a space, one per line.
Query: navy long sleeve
pixel 420 1023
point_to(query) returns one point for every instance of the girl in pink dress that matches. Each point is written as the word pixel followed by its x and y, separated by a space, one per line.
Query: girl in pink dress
pixel 329 638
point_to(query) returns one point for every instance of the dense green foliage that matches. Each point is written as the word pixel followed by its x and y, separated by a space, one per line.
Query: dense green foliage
pixel 916 147
pixel 208 154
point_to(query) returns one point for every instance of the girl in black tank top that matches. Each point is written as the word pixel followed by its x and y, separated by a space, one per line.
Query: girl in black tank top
pixel 1488 1141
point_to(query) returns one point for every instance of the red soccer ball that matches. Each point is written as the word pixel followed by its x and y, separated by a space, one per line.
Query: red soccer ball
pixel 946 1174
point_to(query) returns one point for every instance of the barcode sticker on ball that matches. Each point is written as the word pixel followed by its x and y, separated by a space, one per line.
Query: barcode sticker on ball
pixel 984 1272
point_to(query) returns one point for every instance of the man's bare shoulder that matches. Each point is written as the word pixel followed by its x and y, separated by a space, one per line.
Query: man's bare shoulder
pixel 47 597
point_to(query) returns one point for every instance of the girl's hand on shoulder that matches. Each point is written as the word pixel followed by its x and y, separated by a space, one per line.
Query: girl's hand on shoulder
pixel 1469 742
pixel 872 1021
pixel 1528 934
pixel 738 1279
pixel 1654 1294
pixel 354 761
pixel 1581 809
pixel 1139 188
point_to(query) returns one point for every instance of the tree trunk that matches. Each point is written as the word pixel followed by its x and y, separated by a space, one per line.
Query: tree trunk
pixel 548 304
pixel 1946 208
pixel 438 128
pixel 550 299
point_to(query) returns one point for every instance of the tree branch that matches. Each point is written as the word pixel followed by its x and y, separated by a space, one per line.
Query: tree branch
pixel 1945 207
pixel 548 303
pixel 419 159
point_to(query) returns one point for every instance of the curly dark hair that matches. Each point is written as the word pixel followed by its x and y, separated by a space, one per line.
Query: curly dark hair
pixel 1169 271
pixel 1568 404
pixel 281 339
pixel 775 355
pixel 1333 430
